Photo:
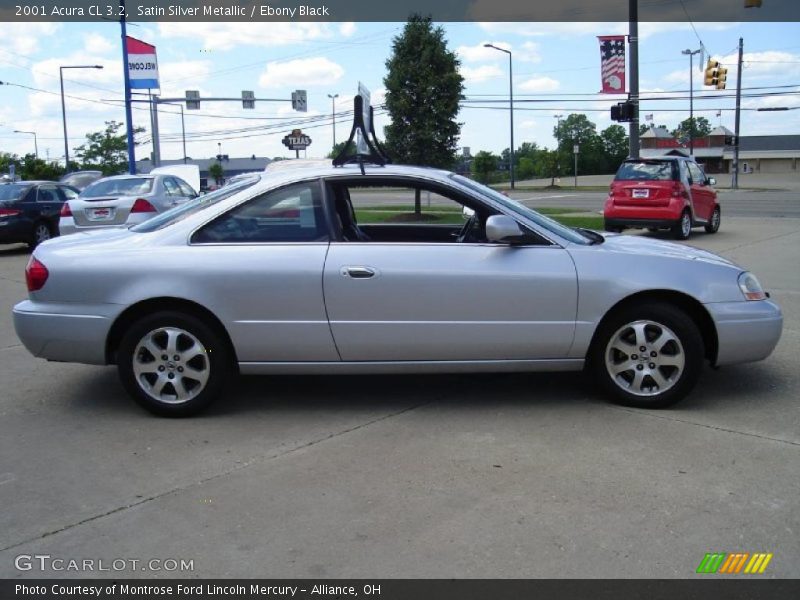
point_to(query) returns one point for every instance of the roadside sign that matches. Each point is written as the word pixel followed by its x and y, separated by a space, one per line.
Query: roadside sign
pixel 300 100
pixel 576 149
pixel 248 99
pixel 142 64
pixel 296 140
pixel 192 100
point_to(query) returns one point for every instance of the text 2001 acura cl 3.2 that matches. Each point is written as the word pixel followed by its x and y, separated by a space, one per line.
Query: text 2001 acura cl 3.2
pixel 274 275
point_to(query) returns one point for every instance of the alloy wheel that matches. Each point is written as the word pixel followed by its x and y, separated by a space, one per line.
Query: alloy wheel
pixel 171 365
pixel 645 358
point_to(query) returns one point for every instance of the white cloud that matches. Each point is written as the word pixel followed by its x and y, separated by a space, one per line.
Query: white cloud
pixel 565 30
pixel 347 29
pixel 305 71
pixel 530 124
pixel 94 43
pixel 25 38
pixel 479 74
pixel 539 84
pixel 479 53
pixel 226 36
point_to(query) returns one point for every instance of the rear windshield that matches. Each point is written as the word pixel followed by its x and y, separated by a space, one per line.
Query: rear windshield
pixel 130 186
pixel 647 170
pixel 80 180
pixel 12 191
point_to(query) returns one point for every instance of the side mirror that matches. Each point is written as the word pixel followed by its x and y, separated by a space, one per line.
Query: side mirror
pixel 503 229
pixel 711 181
pixel 467 213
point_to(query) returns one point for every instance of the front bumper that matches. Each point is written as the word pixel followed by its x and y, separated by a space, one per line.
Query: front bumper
pixel 60 332
pixel 746 331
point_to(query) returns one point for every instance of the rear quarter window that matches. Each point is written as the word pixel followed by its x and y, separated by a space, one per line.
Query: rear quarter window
pixel 649 170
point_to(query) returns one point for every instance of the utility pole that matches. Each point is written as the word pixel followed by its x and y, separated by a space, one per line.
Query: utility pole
pixel 333 98
pixel 128 112
pixel 690 54
pixel 633 43
pixel 735 177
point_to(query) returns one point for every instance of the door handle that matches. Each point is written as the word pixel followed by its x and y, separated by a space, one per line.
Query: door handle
pixel 358 272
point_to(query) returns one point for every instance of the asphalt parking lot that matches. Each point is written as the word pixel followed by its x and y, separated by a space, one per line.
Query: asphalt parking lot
pixel 507 476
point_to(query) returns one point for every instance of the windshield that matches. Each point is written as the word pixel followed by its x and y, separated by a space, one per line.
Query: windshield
pixel 520 209
pixel 80 180
pixel 13 191
pixel 651 170
pixel 128 186
pixel 179 213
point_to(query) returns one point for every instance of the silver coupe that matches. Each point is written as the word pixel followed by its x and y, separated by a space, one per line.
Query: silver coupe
pixel 275 275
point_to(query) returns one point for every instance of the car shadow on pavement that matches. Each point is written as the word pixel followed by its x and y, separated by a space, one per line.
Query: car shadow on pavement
pixel 13 249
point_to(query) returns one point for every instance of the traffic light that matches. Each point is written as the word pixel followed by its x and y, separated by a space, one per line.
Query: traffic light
pixel 710 77
pixel 623 112
pixel 722 78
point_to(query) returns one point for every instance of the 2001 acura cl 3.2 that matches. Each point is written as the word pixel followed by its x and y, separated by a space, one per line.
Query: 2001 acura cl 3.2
pixel 274 275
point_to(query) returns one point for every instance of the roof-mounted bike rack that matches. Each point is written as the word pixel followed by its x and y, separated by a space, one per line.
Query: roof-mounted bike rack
pixel 376 155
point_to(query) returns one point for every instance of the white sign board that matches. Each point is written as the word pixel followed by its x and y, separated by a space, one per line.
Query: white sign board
pixel 361 144
pixel 142 64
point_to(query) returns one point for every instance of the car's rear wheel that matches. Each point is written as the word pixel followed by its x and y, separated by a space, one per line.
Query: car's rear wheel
pixel 41 233
pixel 714 223
pixel 173 364
pixel 683 228
pixel 647 356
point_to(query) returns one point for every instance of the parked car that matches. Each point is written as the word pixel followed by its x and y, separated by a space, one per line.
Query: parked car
pixel 275 275
pixel 80 180
pixel 122 201
pixel 662 193
pixel 29 210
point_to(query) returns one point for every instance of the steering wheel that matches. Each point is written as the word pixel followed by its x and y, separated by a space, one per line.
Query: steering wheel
pixel 463 235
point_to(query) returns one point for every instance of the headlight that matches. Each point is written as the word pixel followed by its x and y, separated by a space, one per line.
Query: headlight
pixel 750 287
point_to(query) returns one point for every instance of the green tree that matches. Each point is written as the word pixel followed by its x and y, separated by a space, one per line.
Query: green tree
pixel 699 126
pixel 216 171
pixel 484 164
pixel 337 149
pixel 106 150
pixel 615 146
pixel 37 168
pixel 423 92
pixel 526 168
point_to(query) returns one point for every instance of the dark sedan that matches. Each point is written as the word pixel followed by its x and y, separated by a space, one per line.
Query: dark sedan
pixel 29 210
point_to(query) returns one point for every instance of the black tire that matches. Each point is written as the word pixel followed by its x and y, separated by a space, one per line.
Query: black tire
pixel 214 361
pixel 716 218
pixel 680 231
pixel 41 233
pixel 655 319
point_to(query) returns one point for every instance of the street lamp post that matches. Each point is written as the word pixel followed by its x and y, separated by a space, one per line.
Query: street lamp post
pixel 511 108
pixel 35 141
pixel 63 106
pixel 558 142
pixel 690 54
pixel 333 114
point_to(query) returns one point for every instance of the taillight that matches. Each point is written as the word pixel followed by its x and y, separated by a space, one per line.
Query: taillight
pixel 66 211
pixel 35 275
pixel 678 190
pixel 142 206
pixel 9 212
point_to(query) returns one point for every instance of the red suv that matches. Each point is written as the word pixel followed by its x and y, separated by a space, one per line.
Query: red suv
pixel 662 193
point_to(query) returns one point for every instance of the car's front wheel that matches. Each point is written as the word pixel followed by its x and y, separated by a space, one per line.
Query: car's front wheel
pixel 647 356
pixel 173 364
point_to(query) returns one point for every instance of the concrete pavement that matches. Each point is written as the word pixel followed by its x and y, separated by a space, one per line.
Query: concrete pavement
pixel 446 476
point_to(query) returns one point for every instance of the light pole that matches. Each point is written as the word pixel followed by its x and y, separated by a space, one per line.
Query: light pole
pixel 558 143
pixel 511 108
pixel 690 54
pixel 35 141
pixel 333 114
pixel 64 109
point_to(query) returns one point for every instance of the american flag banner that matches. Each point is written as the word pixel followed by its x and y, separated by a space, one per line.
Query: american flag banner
pixel 612 63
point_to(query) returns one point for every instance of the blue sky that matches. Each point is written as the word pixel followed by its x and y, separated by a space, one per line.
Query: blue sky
pixel 551 61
